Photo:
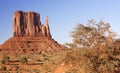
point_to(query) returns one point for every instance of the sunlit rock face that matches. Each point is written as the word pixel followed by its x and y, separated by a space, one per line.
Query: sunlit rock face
pixel 29 24
pixel 30 36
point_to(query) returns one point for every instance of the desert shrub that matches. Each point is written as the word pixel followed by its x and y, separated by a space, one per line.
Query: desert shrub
pixel 23 60
pixel 39 52
pixel 5 59
pixel 3 68
pixel 93 60
pixel 44 55
pixel 94 49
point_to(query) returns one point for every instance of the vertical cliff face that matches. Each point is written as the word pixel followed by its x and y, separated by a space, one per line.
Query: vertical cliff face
pixel 29 24
pixel 30 36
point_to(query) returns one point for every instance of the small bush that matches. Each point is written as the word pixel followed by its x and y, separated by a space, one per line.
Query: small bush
pixel 39 52
pixel 23 60
pixel 6 57
pixel 44 55
pixel 3 68
pixel 3 61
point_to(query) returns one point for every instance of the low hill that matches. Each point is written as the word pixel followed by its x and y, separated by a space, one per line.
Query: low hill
pixel 27 45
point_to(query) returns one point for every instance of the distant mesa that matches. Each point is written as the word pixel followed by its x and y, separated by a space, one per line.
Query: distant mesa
pixel 29 24
pixel 30 36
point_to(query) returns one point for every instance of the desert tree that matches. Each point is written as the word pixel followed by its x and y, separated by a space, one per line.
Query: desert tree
pixel 91 35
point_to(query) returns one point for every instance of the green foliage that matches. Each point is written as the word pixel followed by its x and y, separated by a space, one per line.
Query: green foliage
pixel 23 60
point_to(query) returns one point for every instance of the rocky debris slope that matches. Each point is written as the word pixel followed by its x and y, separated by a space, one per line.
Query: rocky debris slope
pixel 22 45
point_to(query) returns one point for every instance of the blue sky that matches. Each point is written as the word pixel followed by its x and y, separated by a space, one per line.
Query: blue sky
pixel 63 15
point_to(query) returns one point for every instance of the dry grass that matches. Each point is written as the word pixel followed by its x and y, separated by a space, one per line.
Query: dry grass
pixel 95 60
